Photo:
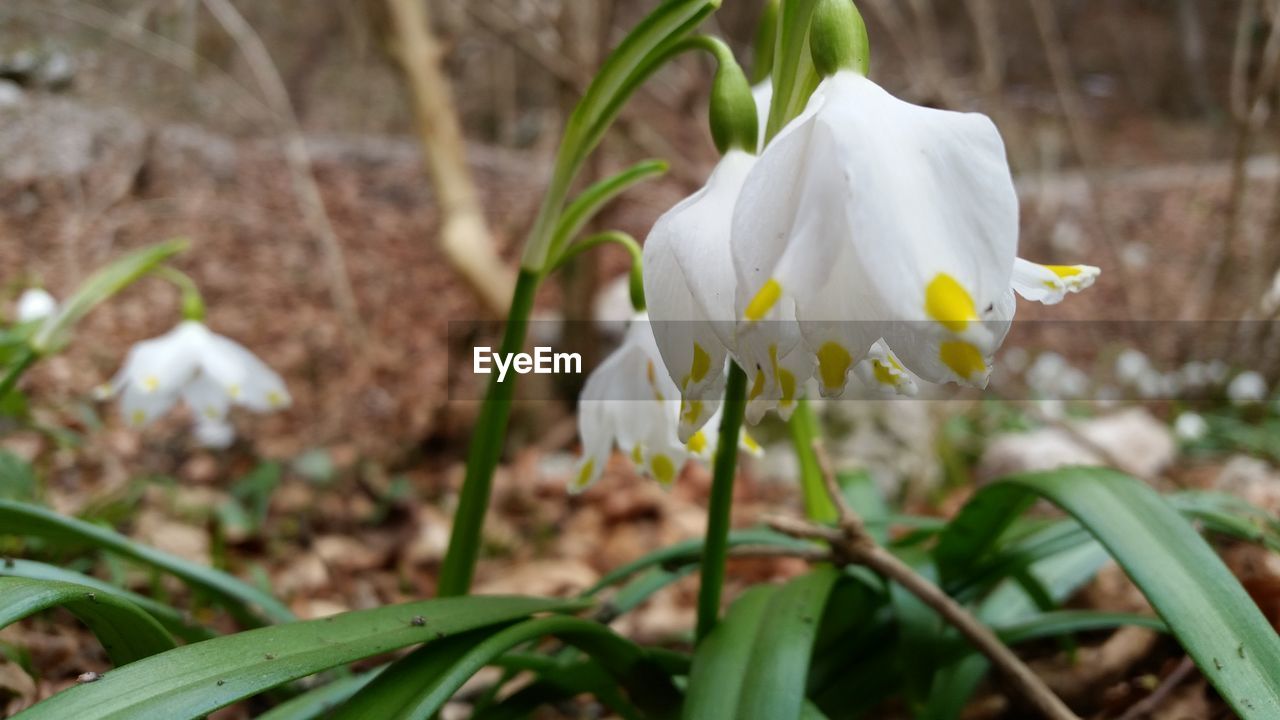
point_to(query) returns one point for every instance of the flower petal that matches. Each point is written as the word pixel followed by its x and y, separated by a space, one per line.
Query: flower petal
pixel 1049 284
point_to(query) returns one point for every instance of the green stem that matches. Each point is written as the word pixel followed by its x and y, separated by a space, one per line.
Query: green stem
pixel 486 448
pixel 804 430
pixel 615 237
pixel 192 301
pixel 16 371
pixel 716 547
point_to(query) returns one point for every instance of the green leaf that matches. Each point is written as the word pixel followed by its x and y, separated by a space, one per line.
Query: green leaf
pixel 101 285
pixel 194 680
pixel 127 633
pixel 590 201
pixel 1066 622
pixel 318 702
pixel 755 663
pixel 17 481
pixel 1203 604
pixel 244 601
pixel 171 619
pixel 418 685
pixel 794 77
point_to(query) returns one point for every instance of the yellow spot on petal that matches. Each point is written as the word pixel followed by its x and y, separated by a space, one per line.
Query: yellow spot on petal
pixel 757 385
pixel 150 383
pixel 750 443
pixel 663 469
pixel 652 377
pixel 884 373
pixel 699 368
pixel 1064 271
pixel 833 364
pixel 788 383
pixel 692 410
pixel 948 303
pixel 963 358
pixel 275 399
pixel 637 456
pixel 698 443
pixel 234 391
pixel 138 417
pixel 764 300
pixel 584 473
pixel 211 412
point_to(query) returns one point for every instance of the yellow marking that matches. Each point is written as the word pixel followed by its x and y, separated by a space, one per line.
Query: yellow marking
pixel 637 456
pixel 150 383
pixel 764 300
pixel 663 469
pixel 700 367
pixel 234 391
pixel 788 383
pixel 692 411
pixel 750 442
pixel 584 474
pixel 884 373
pixel 757 385
pixel 697 443
pixel 275 399
pixel 211 412
pixel 138 417
pixel 963 358
pixel 948 303
pixel 651 374
pixel 833 364
pixel 1063 271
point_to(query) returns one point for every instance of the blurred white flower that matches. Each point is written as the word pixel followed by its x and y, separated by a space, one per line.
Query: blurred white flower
pixel 36 304
pixel 1218 371
pixel 209 372
pixel 1051 376
pixel 1247 388
pixel 629 402
pixel 1190 427
pixel 1195 374
pixel 217 434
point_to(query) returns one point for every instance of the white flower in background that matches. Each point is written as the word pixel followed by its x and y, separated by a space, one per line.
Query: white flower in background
pixel 877 223
pixel 217 434
pixel 207 371
pixel 630 402
pixel 1247 388
pixel 1190 427
pixel 1052 376
pixel 36 304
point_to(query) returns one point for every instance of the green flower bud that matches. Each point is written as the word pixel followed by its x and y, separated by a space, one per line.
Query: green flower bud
pixel 733 110
pixel 838 38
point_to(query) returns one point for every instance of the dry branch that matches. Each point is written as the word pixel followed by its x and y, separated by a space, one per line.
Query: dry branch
pixel 464 232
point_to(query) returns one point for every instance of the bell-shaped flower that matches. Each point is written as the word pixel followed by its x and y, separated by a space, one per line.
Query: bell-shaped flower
pixel 690 288
pixel 36 304
pixel 630 402
pixel 880 224
pixel 207 371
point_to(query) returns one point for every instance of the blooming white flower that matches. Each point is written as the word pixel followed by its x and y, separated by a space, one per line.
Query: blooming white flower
pixel 629 401
pixel 877 223
pixel 1190 427
pixel 1247 388
pixel 36 304
pixel 207 371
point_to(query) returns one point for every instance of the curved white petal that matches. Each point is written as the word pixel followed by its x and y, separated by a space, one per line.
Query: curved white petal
pixel 883 372
pixel 243 377
pixel 207 400
pixel 1049 284
pixel 162 365
pixel 140 407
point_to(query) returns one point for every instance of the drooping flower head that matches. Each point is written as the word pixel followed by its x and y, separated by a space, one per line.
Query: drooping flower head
pixel 36 304
pixel 207 371
pixel 629 401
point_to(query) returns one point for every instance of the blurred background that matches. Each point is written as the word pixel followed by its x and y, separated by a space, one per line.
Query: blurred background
pixel 305 154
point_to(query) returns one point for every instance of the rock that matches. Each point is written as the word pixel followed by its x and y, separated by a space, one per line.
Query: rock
pixel 1139 443
pixel 1253 480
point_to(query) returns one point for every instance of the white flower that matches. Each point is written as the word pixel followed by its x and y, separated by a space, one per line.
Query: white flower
pixel 629 401
pixel 217 434
pixel 1190 427
pixel 1247 388
pixel 1131 366
pixel 877 223
pixel 209 372
pixel 36 304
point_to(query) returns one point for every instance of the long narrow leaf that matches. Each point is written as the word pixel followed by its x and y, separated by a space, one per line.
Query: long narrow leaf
pixel 720 663
pixel 194 680
pixel 242 599
pixel 127 633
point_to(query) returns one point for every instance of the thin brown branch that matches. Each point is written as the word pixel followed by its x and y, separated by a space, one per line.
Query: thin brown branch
pixel 297 157
pixel 464 236
pixel 1148 705
pixel 853 545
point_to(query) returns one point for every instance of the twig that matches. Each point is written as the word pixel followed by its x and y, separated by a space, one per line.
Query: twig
pixel 1148 704
pixel 851 544
pixel 464 235
pixel 297 157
